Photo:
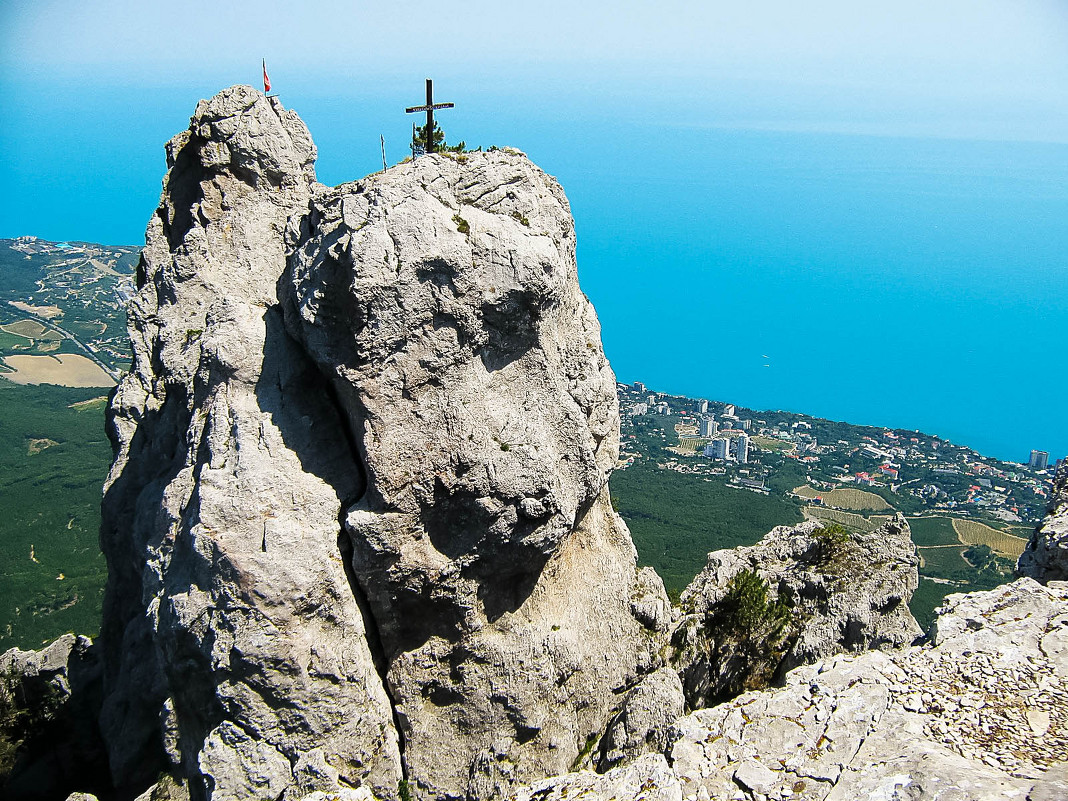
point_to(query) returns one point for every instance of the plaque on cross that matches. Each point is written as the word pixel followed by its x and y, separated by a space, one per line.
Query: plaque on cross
pixel 429 109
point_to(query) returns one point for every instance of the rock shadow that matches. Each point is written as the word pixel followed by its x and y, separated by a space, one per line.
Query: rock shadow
pixel 307 412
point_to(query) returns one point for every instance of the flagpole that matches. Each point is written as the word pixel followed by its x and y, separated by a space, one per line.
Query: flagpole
pixel 266 79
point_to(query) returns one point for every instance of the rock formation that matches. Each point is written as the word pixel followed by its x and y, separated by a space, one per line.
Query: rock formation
pixel 234 648
pixel 830 591
pixel 1046 556
pixel 358 528
pixel 643 724
pixel 48 706
pixel 441 300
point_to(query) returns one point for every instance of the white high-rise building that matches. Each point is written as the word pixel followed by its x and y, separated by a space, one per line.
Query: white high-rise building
pixel 743 448
pixel 719 448
pixel 707 427
pixel 702 407
pixel 728 410
pixel 1039 460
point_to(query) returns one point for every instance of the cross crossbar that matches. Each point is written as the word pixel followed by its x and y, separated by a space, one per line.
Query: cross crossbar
pixel 426 108
pixel 429 109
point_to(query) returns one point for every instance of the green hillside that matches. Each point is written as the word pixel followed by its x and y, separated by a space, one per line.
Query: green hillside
pixel 53 460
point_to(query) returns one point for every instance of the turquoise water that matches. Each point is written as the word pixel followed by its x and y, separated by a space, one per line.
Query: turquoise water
pixel 910 283
pixel 914 283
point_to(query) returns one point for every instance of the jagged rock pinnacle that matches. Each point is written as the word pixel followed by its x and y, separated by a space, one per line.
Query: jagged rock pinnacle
pixel 358 527
pixel 236 654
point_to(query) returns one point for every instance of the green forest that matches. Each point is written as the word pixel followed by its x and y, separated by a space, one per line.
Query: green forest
pixel 676 519
pixel 54 456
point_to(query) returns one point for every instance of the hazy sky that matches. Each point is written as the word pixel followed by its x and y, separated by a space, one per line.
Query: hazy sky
pixel 984 68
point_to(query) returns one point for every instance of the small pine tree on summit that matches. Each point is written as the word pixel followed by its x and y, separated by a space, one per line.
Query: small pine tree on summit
pixel 440 145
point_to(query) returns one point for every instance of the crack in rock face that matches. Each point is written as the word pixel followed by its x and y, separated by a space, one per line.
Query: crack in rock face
pixel 359 506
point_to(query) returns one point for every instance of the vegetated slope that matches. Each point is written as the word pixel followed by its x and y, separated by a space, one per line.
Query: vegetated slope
pixel 972 532
pixel 677 519
pixel 852 499
pixel 53 459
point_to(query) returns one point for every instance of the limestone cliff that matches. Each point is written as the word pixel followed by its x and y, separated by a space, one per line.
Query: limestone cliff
pixel 357 528
pixel 1046 556
pixel 236 654
pixel 441 300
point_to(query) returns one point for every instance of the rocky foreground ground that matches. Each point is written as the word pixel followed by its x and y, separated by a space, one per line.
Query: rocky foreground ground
pixel 979 712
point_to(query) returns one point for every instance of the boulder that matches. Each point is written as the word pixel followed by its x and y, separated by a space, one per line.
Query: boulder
pixel 644 723
pixel 802 593
pixel 49 741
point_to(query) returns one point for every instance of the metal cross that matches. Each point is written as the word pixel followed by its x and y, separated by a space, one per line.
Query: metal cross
pixel 429 109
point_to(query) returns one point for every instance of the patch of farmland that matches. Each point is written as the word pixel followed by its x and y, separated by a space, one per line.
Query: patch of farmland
pixel 771 444
pixel 856 500
pixel 853 500
pixel 972 532
pixel 691 444
pixel 92 403
pixel 64 369
pixel 41 311
pixel 31 329
pixel 848 519
pixel 945 562
pixel 933 531
pixel 12 342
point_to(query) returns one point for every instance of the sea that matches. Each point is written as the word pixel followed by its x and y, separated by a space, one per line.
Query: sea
pixel 908 282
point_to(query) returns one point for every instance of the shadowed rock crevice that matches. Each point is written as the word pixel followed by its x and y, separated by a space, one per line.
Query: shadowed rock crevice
pixel 183 188
pixel 1046 556
pixel 293 391
pixel 511 323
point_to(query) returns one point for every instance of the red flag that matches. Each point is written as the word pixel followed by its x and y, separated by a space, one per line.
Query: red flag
pixel 266 80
